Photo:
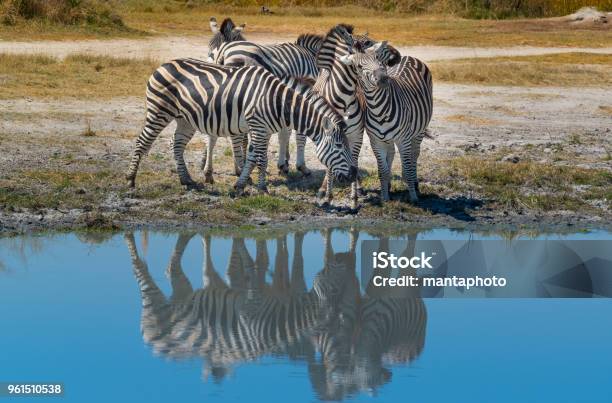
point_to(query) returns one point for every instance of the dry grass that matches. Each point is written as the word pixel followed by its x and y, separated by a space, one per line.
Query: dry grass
pixel 77 76
pixel 529 184
pixel 606 109
pixel 402 29
pixel 572 69
pixel 471 120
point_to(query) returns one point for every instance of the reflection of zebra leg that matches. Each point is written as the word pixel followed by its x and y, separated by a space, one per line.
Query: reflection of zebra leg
pixel 298 283
pixel 262 261
pixel 240 265
pixel 280 277
pixel 150 292
pixel 210 276
pixel 181 287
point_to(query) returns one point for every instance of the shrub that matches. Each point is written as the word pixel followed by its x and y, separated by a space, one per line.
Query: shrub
pixel 67 12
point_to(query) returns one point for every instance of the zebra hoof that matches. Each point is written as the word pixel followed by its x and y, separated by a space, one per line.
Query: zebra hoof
pixel 208 178
pixel 131 182
pixel 321 194
pixel 304 170
pixel 283 169
pixel 238 191
pixel 263 190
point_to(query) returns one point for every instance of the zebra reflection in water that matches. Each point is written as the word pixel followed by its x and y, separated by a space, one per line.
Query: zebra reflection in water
pixel 346 339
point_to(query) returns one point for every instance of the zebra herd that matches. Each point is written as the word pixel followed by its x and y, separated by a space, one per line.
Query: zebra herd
pixel 262 307
pixel 329 88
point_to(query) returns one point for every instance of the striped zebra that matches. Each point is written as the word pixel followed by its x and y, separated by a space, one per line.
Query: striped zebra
pixel 399 106
pixel 285 60
pixel 226 101
pixel 228 32
pixel 337 83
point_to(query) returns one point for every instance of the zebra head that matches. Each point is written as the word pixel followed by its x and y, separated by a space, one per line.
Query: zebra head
pixel 228 32
pixel 333 150
pixel 371 71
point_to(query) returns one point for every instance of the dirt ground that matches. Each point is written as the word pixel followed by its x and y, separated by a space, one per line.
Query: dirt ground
pixel 469 120
pixel 164 48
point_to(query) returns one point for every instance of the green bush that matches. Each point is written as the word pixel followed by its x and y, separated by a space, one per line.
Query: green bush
pixel 67 12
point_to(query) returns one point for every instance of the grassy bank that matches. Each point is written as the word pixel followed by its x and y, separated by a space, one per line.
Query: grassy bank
pixel 491 184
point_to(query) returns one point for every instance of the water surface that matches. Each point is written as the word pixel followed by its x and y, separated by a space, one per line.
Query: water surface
pixel 190 317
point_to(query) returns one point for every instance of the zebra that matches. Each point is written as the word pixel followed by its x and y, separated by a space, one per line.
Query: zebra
pixel 228 101
pixel 337 83
pixel 228 32
pixel 399 106
pixel 285 60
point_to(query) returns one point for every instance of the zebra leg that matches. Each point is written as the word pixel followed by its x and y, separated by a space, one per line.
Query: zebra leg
pixel 261 150
pixel 408 174
pixel 239 144
pixel 384 171
pixel 204 154
pixel 208 167
pixel 416 152
pixel 283 151
pixel 326 187
pixel 257 155
pixel 183 134
pixel 154 124
pixel 244 145
pixel 300 161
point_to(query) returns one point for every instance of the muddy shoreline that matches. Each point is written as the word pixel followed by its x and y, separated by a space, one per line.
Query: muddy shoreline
pixel 485 221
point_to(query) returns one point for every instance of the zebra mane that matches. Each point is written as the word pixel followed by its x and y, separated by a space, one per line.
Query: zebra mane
pixel 311 42
pixel 327 51
pixel 395 58
pixel 227 25
pixel 335 30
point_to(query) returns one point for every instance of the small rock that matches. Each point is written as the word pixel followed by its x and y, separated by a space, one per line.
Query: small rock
pixel 511 158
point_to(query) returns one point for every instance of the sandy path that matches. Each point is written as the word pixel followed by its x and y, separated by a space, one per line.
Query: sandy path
pixel 166 48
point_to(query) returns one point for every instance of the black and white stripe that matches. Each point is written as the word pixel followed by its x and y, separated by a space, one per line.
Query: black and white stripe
pixel 399 106
pixel 285 60
pixel 231 102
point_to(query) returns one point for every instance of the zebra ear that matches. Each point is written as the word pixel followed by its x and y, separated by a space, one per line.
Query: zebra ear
pixel 213 25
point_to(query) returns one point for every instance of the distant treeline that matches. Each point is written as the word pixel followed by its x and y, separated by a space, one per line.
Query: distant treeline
pixel 107 12
pixel 467 8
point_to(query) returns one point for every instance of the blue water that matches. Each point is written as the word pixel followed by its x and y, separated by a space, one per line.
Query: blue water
pixel 71 312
